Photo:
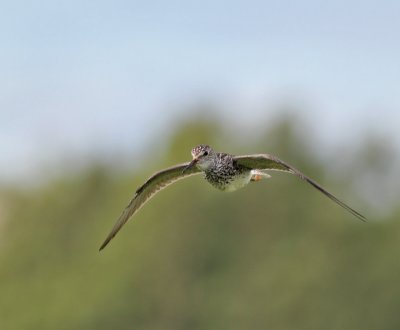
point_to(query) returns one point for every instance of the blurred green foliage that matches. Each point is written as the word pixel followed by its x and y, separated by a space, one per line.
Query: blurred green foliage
pixel 275 255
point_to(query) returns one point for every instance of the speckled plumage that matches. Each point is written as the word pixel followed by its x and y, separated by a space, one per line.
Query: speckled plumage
pixel 223 171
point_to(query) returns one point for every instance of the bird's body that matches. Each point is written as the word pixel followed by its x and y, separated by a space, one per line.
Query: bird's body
pixel 224 174
pixel 227 175
pixel 224 171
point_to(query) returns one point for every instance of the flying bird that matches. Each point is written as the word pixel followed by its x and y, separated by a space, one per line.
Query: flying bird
pixel 224 171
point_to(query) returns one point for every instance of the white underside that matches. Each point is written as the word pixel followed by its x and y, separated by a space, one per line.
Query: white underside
pixel 244 180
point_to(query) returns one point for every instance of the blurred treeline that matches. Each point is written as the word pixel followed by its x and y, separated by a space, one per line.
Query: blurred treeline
pixel 275 255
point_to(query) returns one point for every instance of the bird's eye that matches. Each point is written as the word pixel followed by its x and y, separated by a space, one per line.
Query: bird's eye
pixel 205 153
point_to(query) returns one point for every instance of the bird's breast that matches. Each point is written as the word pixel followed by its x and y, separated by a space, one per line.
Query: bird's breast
pixel 228 181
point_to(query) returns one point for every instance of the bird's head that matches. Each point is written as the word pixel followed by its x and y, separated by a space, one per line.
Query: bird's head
pixel 202 157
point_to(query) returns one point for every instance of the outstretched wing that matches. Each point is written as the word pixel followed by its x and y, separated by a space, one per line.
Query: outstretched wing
pixel 154 184
pixel 270 162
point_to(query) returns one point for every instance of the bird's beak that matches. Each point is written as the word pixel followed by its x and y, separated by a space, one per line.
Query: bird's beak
pixel 190 165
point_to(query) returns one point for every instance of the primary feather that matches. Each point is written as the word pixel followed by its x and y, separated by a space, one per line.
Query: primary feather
pixel 270 162
pixel 155 183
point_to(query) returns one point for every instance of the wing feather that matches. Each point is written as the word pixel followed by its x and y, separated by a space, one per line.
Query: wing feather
pixel 155 183
pixel 270 162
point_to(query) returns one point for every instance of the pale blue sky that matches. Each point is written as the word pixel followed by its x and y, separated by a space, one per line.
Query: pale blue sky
pixel 78 76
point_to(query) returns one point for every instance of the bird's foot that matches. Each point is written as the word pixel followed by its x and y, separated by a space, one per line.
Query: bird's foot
pixel 257 175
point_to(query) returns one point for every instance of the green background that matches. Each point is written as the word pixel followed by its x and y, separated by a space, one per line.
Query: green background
pixel 275 255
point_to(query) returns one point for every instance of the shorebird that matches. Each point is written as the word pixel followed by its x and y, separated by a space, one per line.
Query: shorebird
pixel 224 171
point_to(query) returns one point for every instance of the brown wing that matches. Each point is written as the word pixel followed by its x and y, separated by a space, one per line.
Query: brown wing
pixel 270 162
pixel 154 184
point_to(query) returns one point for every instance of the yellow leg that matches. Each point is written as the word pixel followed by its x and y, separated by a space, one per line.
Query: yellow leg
pixel 259 175
pixel 256 177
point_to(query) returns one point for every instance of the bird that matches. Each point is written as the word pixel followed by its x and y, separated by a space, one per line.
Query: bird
pixel 224 171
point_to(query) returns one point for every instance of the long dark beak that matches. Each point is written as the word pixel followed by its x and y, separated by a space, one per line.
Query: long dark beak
pixel 190 165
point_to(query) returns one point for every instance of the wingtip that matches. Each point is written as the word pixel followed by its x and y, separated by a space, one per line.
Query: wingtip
pixel 363 219
pixel 105 243
pixel 358 215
